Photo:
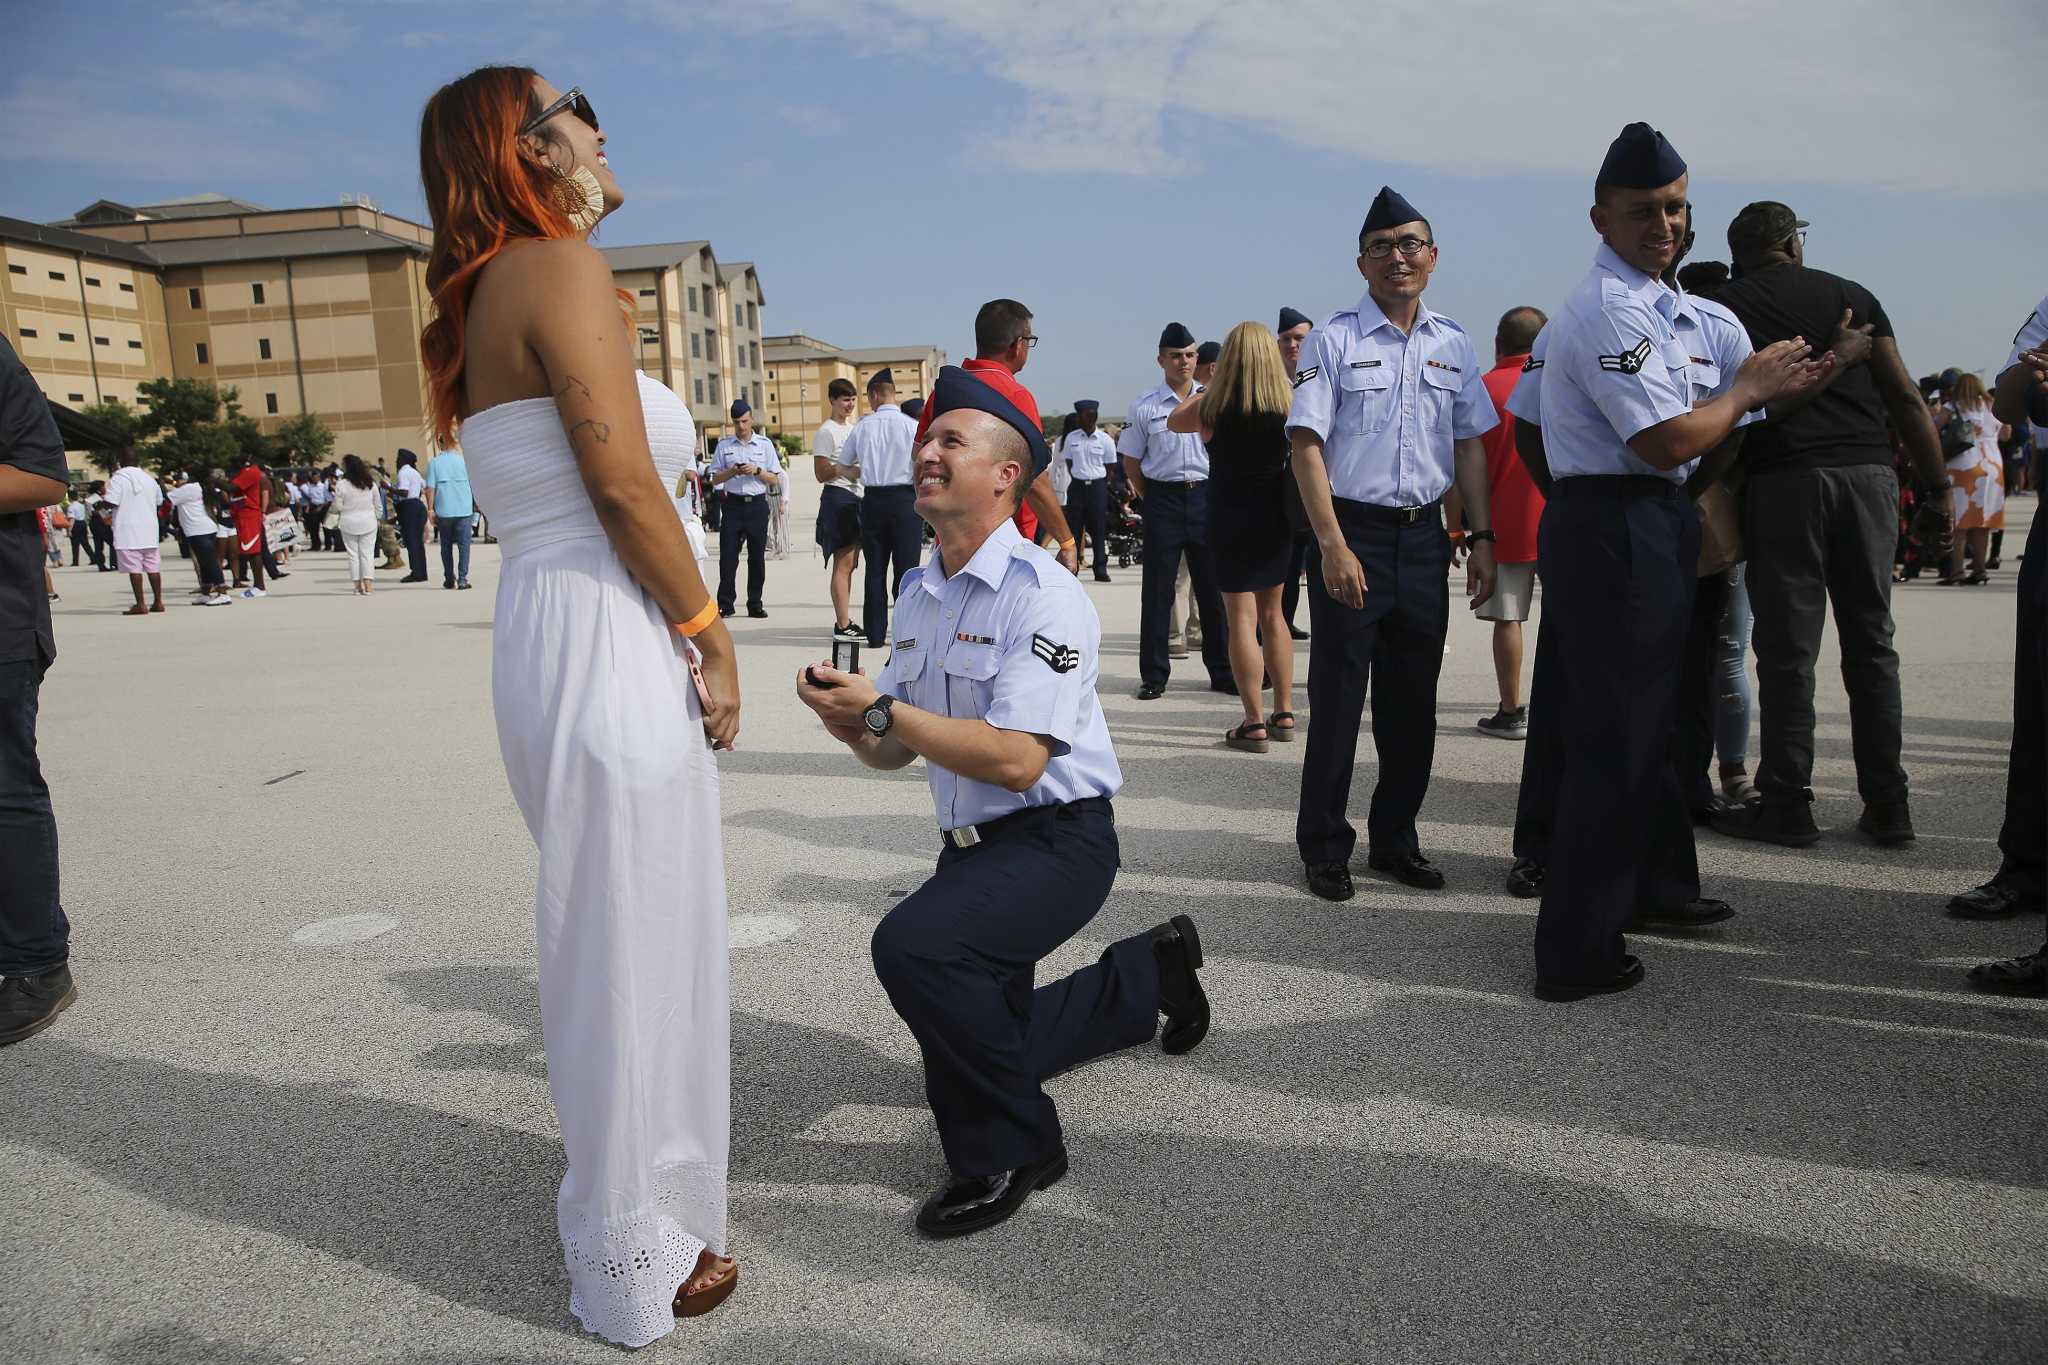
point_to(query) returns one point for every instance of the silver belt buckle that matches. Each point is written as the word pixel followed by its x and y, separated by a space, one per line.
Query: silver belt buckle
pixel 966 836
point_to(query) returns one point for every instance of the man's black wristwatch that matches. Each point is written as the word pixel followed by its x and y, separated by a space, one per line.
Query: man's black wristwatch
pixel 1474 537
pixel 879 717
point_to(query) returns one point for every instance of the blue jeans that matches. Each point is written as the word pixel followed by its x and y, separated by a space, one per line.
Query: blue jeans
pixel 1731 675
pixel 455 531
pixel 34 935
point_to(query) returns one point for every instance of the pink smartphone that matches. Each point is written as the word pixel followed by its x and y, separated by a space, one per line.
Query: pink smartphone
pixel 697 680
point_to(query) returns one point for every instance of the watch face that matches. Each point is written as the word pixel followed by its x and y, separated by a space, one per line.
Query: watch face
pixel 877 719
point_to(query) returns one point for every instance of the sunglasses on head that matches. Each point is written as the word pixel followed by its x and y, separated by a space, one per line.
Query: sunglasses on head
pixel 573 102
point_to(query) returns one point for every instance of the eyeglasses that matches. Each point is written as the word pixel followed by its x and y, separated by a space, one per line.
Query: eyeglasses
pixel 1407 246
pixel 1034 340
pixel 572 101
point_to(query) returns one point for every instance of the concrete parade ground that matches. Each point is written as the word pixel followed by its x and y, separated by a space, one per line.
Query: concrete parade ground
pixel 300 1113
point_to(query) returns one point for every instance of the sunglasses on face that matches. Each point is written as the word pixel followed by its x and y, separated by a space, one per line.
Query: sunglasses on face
pixel 573 102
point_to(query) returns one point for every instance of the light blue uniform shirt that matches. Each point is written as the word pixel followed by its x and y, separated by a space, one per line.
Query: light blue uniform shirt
pixel 1625 353
pixel 1390 406
pixel 756 450
pixel 2031 337
pixel 1162 455
pixel 448 476
pixel 1013 639
pixel 880 447
pixel 1088 453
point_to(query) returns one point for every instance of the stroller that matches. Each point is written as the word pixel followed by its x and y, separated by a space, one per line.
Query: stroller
pixel 1126 527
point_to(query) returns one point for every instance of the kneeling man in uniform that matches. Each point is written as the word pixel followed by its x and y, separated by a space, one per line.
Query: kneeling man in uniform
pixel 992 682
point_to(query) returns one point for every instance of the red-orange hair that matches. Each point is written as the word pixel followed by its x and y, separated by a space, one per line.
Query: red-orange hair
pixel 481 194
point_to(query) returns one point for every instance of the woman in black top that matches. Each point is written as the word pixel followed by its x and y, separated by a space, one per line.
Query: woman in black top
pixel 1242 418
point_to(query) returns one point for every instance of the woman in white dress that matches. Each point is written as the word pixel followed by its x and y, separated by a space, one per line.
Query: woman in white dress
pixel 600 606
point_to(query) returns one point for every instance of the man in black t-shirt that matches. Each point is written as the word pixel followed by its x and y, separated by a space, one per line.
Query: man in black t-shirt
pixel 35 938
pixel 1820 523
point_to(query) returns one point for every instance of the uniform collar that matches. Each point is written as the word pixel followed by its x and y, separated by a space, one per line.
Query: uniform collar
pixel 990 563
pixel 1648 288
pixel 1371 317
pixel 1165 390
pixel 887 407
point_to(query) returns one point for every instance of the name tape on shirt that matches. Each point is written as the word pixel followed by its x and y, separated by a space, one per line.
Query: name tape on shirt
pixel 903 644
pixel 1441 365
pixel 1366 364
pixel 1310 373
pixel 1057 657
pixel 1629 361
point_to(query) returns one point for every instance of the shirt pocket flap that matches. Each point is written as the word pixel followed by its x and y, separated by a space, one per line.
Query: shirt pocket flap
pixel 977 663
pixel 1705 373
pixel 1354 375
pixel 1675 357
pixel 1438 377
pixel 908 661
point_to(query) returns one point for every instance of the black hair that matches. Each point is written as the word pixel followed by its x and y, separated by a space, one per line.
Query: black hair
pixel 840 388
pixel 1000 324
pixel 1517 330
pixel 1703 277
pixel 356 471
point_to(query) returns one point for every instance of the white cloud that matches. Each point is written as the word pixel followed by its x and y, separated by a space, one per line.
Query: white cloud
pixel 1891 93
pixel 245 88
pixel 289 17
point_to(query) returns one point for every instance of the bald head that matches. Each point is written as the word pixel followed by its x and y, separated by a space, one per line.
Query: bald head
pixel 1517 331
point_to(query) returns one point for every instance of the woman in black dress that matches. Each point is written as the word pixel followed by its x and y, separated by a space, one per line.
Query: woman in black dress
pixel 1242 417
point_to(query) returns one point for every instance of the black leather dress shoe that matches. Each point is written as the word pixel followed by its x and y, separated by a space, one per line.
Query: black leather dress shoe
pixel 969 1203
pixel 758 613
pixel 2027 976
pixel 1889 824
pixel 1993 900
pixel 1297 632
pixel 1525 879
pixel 1181 997
pixel 1226 685
pixel 1331 881
pixel 1559 992
pixel 1151 691
pixel 1412 868
pixel 1692 915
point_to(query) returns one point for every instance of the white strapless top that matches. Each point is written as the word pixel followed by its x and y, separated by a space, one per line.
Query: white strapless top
pixel 524 474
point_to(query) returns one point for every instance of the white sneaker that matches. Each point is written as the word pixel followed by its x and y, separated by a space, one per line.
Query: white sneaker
pixel 219 599
pixel 254 592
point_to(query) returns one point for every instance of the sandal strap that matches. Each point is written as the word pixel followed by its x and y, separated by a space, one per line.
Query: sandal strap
pixel 1242 731
pixel 1282 715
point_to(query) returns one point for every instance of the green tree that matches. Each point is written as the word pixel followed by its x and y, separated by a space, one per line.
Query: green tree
pixel 180 404
pixel 792 448
pixel 303 442
pixel 121 418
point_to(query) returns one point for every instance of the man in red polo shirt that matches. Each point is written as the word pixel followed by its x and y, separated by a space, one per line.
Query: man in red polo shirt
pixel 1002 344
pixel 1517 508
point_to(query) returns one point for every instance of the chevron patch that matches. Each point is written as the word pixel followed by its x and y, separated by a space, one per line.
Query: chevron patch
pixel 1310 373
pixel 1629 361
pixel 1059 658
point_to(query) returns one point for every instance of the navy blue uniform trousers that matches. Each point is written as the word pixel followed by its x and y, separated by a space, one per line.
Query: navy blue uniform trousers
pixel 1088 512
pixel 1393 645
pixel 1618 557
pixel 746 524
pixel 890 529
pixel 2023 839
pixel 957 957
pixel 1176 524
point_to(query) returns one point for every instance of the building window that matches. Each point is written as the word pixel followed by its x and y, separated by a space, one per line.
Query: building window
pixel 753 318
pixel 127 288
pixel 696 346
pixel 270 402
pixel 201 349
pixel 66 336
pixel 57 275
pixel 74 397
pixel 711 346
pixel 192 296
pixel 263 348
pixel 693 295
pixel 23 270
pixel 257 291
pixel 28 332
pixel 134 345
pixel 647 293
pixel 92 282
pixel 101 341
pixel 700 393
pixel 739 316
pixel 757 395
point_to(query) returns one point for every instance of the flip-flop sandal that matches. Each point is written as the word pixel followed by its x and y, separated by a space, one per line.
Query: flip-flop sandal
pixel 1278 733
pixel 136 611
pixel 695 1303
pixel 1241 738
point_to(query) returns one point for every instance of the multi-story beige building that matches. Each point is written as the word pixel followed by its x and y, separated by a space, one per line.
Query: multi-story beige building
pixel 799 369
pixel 319 310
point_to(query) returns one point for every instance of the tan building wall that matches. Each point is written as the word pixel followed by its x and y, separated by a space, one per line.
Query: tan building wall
pixel 89 329
pixel 799 369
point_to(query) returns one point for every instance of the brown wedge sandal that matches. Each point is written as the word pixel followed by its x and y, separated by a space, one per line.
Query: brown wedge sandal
pixel 714 1279
pixel 1280 734
pixel 1242 737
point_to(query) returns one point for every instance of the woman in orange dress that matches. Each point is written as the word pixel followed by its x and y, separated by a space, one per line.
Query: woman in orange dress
pixel 1976 480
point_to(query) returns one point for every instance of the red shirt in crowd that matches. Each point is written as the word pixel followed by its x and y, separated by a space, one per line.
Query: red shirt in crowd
pixel 1004 382
pixel 1515 504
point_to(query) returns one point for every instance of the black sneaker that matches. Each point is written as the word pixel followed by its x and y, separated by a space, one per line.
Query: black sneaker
pixel 30 1004
pixel 1506 724
pixel 1787 823
pixel 849 632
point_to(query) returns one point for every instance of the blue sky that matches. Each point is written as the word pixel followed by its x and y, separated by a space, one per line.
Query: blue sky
pixel 1116 164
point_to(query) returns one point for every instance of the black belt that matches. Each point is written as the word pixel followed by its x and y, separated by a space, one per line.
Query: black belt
pixel 1176 483
pixel 888 488
pixel 1623 485
pixel 1083 481
pixel 967 836
pixel 745 497
pixel 1385 516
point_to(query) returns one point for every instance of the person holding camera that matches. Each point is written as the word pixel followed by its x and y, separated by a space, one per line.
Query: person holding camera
pixel 992 682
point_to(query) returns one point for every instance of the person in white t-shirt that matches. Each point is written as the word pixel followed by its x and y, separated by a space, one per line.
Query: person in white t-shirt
pixel 838 506
pixel 135 496
pixel 188 505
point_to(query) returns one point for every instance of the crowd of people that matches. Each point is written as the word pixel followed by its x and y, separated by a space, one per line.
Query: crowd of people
pixel 1688 480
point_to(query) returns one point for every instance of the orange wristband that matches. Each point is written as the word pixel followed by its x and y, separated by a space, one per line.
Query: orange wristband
pixel 689 629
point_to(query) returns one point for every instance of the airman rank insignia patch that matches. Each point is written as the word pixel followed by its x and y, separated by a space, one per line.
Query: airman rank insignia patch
pixel 1629 361
pixel 1531 364
pixel 1310 373
pixel 1058 658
